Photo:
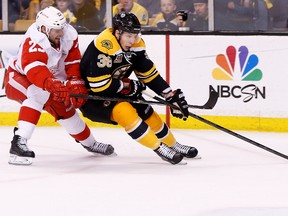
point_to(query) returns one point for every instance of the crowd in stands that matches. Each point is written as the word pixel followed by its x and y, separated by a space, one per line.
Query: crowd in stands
pixel 162 15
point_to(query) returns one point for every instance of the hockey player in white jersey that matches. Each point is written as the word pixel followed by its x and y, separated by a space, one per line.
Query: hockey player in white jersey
pixel 41 77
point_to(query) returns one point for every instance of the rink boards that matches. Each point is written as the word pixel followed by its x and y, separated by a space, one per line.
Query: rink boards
pixel 248 72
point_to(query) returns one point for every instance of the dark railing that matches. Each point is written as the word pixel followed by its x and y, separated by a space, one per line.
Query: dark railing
pixel 267 17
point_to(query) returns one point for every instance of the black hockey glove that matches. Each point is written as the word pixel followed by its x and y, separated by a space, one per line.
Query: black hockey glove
pixel 135 88
pixel 178 99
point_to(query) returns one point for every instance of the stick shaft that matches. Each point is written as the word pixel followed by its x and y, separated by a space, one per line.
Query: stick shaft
pixel 224 129
pixel 138 101
pixel 237 135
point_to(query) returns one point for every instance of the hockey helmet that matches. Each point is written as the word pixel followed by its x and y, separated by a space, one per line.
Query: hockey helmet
pixel 51 18
pixel 127 22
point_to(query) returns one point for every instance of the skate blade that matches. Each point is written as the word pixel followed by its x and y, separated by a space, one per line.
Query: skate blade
pixel 16 160
pixel 197 157
pixel 114 154
pixel 183 162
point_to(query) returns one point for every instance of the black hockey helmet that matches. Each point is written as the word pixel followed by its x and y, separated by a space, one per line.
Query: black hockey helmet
pixel 127 22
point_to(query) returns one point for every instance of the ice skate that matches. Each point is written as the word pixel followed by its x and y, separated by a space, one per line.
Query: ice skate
pixel 186 151
pixel 20 154
pixel 169 154
pixel 101 148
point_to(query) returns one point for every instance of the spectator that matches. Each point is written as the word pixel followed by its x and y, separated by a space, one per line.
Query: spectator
pixel 269 5
pixel 101 7
pixel 24 8
pixel 279 14
pixel 249 15
pixel 152 6
pixel 198 21
pixel 167 20
pixel 184 4
pixel 87 15
pixel 63 6
pixel 133 7
pixel 36 5
pixel 241 15
pixel 261 18
pixel 46 3
pixel 34 8
pixel 15 7
pixel 222 21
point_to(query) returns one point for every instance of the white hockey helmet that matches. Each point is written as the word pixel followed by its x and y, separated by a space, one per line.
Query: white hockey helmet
pixel 51 18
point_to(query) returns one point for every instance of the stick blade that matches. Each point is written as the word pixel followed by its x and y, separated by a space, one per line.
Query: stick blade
pixel 212 100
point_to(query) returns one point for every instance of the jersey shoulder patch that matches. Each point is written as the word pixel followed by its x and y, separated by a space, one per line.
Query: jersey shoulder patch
pixel 107 43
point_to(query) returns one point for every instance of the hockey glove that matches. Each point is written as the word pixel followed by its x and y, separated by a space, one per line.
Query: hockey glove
pixel 178 99
pixel 57 89
pixel 76 85
pixel 134 89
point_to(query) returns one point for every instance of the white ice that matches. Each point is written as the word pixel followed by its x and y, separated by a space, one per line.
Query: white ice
pixel 233 178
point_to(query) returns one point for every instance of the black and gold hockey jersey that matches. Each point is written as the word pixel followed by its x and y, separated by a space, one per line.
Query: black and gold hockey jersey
pixel 104 64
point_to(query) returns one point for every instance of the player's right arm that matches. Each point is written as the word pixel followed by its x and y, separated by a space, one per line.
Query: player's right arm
pixel 34 63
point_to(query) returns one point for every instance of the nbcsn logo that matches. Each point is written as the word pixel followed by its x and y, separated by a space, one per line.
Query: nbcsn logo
pixel 238 66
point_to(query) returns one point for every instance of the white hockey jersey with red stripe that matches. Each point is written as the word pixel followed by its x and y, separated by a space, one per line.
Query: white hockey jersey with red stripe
pixel 38 60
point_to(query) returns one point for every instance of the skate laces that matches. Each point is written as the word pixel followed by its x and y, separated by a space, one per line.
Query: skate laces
pixel 99 147
pixel 22 143
pixel 181 148
pixel 166 151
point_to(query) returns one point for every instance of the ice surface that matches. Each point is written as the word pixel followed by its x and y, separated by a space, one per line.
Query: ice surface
pixel 233 178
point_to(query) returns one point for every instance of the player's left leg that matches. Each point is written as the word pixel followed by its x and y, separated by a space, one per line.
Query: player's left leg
pixel 127 116
pixel 76 127
pixel 32 99
pixel 165 135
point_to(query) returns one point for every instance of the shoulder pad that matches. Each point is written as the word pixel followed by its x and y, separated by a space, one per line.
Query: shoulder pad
pixel 107 43
pixel 138 47
pixel 70 33
pixel 37 37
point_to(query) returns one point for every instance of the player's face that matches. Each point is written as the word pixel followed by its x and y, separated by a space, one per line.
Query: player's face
pixel 127 39
pixel 55 36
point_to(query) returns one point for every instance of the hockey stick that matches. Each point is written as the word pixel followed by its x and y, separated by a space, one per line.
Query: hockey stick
pixel 222 128
pixel 213 97
pixel 212 100
pixel 96 97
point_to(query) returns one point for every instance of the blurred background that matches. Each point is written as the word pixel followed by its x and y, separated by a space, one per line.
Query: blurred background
pixel 263 16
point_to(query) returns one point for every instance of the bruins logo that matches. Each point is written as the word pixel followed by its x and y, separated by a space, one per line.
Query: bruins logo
pixel 107 44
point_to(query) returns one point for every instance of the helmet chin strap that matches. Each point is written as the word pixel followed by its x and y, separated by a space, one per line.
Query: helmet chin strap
pixel 46 31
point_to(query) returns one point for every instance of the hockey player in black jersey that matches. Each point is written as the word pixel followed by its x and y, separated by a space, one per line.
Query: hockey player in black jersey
pixel 106 66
